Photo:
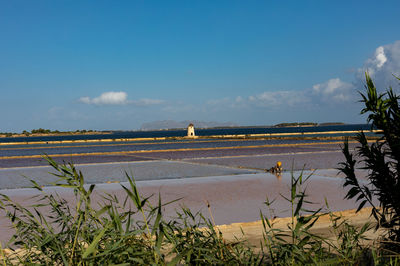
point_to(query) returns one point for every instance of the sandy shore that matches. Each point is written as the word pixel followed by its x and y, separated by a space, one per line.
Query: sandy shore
pixel 252 232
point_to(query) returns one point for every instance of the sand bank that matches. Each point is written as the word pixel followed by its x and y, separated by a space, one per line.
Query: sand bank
pixel 252 232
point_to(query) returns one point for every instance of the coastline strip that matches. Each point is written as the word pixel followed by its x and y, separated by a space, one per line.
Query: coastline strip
pixel 240 136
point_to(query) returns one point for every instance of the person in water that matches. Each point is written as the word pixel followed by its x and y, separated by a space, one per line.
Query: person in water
pixel 277 169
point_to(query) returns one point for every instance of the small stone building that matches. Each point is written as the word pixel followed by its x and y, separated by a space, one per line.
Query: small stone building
pixel 190 131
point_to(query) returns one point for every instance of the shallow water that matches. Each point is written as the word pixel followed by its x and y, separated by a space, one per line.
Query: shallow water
pixel 165 160
pixel 232 198
pixel 68 148
pixel 115 172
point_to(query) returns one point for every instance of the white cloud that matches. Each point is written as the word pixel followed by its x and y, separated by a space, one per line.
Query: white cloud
pixel 382 66
pixel 118 98
pixel 239 99
pixel 222 101
pixel 107 98
pixel 279 98
pixel 267 99
pixel 334 90
pixel 226 102
pixel 380 56
pixel 146 102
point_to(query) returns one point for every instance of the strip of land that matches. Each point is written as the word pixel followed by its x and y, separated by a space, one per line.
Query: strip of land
pixel 237 136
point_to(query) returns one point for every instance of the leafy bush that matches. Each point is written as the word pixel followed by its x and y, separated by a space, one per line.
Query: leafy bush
pixel 381 159
pixel 40 131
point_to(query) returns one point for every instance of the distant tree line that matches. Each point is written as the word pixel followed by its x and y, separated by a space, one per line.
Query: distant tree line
pixel 7 134
pixel 45 131
pixel 302 124
pixel 48 131
pixel 296 124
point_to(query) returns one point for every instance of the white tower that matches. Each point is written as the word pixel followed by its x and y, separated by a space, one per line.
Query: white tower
pixel 190 131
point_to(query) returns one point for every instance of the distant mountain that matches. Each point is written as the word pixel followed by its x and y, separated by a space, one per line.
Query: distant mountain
pixel 171 124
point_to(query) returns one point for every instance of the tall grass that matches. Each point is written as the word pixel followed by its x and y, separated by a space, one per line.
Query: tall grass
pixel 134 232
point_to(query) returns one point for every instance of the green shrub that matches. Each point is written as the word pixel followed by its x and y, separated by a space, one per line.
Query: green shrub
pixel 381 159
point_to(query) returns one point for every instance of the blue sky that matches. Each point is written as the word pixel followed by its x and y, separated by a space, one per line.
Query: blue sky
pixel 102 65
